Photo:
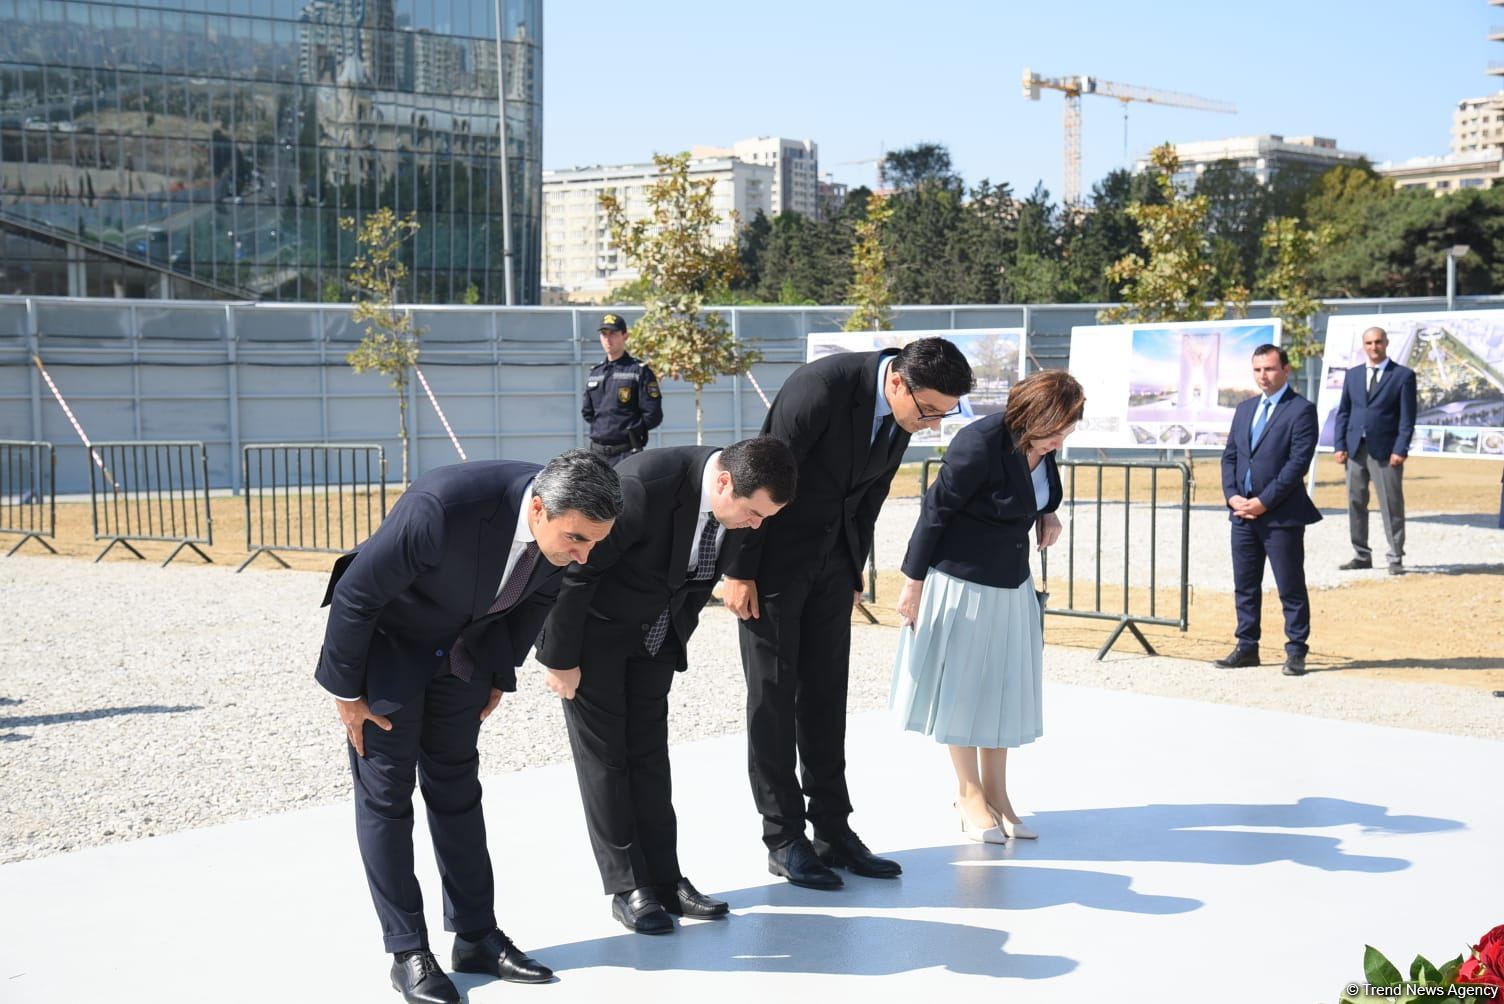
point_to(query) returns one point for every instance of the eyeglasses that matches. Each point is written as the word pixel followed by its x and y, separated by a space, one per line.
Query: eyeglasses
pixel 926 415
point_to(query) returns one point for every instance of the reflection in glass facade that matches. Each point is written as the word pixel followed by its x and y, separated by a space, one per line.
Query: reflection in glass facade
pixel 208 148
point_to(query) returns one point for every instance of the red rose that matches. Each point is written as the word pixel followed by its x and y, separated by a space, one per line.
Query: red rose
pixel 1487 962
pixel 1491 954
pixel 1471 971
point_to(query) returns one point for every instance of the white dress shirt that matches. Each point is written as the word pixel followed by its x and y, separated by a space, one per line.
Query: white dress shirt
pixel 521 538
pixel 707 488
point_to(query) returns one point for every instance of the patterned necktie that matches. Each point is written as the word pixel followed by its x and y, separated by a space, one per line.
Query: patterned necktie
pixel 460 663
pixel 704 569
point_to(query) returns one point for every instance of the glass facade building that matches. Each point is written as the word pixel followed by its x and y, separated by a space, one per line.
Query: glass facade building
pixel 210 148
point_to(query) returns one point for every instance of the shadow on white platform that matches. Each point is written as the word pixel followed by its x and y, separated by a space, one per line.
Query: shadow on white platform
pixel 1182 847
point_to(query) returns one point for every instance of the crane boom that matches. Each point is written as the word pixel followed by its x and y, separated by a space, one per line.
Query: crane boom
pixel 1074 87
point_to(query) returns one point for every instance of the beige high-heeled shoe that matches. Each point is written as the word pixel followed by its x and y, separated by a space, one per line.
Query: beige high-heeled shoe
pixel 991 835
pixel 1014 831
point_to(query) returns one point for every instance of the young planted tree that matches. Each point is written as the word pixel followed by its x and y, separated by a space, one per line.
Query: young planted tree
pixel 390 343
pixel 871 291
pixel 676 254
pixel 1178 281
pixel 1291 252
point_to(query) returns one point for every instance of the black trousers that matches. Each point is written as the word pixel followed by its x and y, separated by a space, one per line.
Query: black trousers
pixel 618 733
pixel 1285 547
pixel 434 737
pixel 796 657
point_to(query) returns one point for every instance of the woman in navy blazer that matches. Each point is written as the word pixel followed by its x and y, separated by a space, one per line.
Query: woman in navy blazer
pixel 970 657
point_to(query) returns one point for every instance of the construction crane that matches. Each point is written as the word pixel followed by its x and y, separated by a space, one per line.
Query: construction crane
pixel 878 162
pixel 1074 87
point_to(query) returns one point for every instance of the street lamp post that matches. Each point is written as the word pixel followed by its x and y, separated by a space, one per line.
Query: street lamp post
pixel 506 187
pixel 1453 253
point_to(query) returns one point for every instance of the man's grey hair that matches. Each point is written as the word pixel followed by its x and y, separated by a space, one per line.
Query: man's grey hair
pixel 582 482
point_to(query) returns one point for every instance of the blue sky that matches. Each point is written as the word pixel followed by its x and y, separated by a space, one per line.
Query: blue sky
pixel 626 78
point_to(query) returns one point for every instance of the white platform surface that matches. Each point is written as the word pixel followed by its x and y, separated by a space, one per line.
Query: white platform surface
pixel 1187 852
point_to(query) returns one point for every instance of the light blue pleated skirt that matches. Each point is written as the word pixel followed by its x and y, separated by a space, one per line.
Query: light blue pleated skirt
pixel 969 670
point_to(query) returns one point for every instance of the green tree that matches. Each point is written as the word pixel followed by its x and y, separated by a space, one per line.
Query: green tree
pixel 390 343
pixel 922 165
pixel 1291 253
pixel 871 290
pixel 675 250
pixel 1177 278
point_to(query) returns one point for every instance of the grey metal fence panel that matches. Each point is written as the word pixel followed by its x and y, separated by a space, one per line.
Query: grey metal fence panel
pixel 28 492
pixel 150 491
pixel 320 497
pixel 509 379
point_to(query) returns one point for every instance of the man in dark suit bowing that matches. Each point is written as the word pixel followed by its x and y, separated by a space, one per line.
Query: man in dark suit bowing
pixel 1269 448
pixel 428 621
pixel 848 418
pixel 620 630
pixel 1375 421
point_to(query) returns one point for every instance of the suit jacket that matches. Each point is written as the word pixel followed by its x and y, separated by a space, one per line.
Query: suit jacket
pixel 976 517
pixel 1279 462
pixel 824 413
pixel 1387 421
pixel 427 576
pixel 643 565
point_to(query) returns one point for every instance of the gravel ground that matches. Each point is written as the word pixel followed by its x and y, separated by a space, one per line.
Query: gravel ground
pixel 1434 543
pixel 137 700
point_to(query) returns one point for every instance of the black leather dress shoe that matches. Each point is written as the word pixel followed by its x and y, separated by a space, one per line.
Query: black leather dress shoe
pixel 684 900
pixel 1396 568
pixel 1354 565
pixel 850 853
pixel 640 911
pixel 799 863
pixel 496 955
pixel 1295 665
pixel 1238 658
pixel 418 978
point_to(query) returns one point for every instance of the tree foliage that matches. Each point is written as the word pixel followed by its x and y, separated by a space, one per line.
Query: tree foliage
pixel 871 290
pixel 389 344
pixel 1177 277
pixel 1292 252
pixel 675 251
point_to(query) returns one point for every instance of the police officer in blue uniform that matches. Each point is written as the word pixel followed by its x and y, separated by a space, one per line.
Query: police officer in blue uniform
pixel 622 399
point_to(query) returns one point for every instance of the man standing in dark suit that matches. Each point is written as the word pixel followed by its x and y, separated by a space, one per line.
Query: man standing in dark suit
pixel 1269 448
pixel 1375 420
pixel 847 418
pixel 428 621
pixel 620 630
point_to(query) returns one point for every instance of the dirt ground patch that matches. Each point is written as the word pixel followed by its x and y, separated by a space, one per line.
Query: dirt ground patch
pixel 1451 631
pixel 1456 635
pixel 1432 484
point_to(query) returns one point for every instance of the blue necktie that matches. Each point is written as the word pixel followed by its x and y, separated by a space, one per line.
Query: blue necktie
pixel 1254 433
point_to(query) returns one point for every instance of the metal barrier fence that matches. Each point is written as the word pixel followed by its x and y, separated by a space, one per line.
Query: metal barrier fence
pixel 151 491
pixel 28 492
pixel 301 497
pixel 1132 599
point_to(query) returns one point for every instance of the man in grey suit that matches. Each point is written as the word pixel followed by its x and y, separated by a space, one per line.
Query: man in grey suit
pixel 1375 420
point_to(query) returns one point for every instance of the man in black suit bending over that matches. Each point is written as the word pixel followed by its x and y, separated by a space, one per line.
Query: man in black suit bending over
pixel 428 621
pixel 618 632
pixel 847 418
pixel 1269 448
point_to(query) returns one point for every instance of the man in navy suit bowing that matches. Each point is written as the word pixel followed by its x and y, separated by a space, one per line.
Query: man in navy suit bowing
pixel 1375 420
pixel 428 621
pixel 1269 449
